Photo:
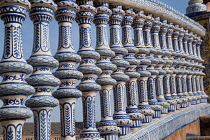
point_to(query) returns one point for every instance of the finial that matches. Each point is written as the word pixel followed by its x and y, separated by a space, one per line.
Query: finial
pixel 195 6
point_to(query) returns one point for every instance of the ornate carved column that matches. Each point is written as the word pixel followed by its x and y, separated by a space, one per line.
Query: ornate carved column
pixel 152 98
pixel 107 127
pixel 189 66
pixel 169 72
pixel 139 39
pixel 13 69
pixel 191 44
pixel 120 115
pixel 172 80
pixel 183 57
pixel 67 93
pixel 42 102
pixel 162 72
pixel 201 68
pixel 131 85
pixel 90 71
pixel 178 56
pixel 196 69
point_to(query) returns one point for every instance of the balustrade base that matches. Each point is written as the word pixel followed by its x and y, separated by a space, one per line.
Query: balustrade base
pixel 165 110
pixel 147 119
pixel 157 114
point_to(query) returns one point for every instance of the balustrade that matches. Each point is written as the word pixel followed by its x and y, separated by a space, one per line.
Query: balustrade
pixel 154 69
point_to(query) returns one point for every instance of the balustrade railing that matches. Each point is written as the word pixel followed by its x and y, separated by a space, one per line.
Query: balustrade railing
pixel 154 69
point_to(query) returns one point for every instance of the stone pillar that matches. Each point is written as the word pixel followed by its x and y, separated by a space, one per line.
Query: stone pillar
pixel 178 55
pixel 139 38
pixel 152 98
pixel 13 69
pixel 107 127
pixel 172 79
pixel 42 102
pixel 67 94
pixel 162 72
pixel 168 63
pixel 200 61
pixel 189 66
pixel 131 85
pixel 183 57
pixel 191 44
pixel 90 71
pixel 120 115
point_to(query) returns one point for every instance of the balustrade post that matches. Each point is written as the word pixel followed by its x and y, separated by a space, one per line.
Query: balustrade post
pixel 120 115
pixel 139 39
pixel 152 97
pixel 13 69
pixel 172 79
pixel 168 63
pixel 201 68
pixel 178 55
pixel 90 71
pixel 162 63
pixel 107 127
pixel 42 102
pixel 67 93
pixel 131 85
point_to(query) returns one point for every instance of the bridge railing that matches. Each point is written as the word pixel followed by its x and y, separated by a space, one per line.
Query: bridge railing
pixel 152 65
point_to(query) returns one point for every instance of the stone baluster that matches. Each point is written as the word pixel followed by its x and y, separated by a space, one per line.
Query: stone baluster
pixel 152 97
pixel 200 60
pixel 131 85
pixel 168 63
pixel 67 94
pixel 172 67
pixel 120 115
pixel 183 67
pixel 107 127
pixel 42 102
pixel 191 45
pixel 13 69
pixel 159 80
pixel 179 74
pixel 139 38
pixel 189 66
pixel 196 68
pixel 90 71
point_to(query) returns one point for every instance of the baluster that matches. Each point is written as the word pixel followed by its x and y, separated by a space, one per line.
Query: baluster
pixel 107 127
pixel 183 67
pixel 131 85
pixel 200 61
pixel 168 63
pixel 179 65
pixel 172 79
pixel 191 44
pixel 42 102
pixel 90 71
pixel 162 72
pixel 13 69
pixel 152 98
pixel 144 106
pixel 67 94
pixel 120 115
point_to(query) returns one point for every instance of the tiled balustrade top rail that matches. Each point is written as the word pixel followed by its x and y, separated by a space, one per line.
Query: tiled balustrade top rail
pixel 167 125
pixel 166 12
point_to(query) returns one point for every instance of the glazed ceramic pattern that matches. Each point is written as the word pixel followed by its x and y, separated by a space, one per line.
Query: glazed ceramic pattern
pixel 152 66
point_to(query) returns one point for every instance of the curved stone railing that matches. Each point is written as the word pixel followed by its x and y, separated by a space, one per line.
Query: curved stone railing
pixel 156 74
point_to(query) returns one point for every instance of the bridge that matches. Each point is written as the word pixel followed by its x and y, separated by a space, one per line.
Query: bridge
pixel 152 66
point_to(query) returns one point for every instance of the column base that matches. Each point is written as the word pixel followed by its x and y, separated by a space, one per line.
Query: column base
pixel 172 108
pixel 110 136
pixel 90 134
pixel 198 101
pixel 193 102
pixel 189 103
pixel 124 130
pixel 178 105
pixel 165 110
pixel 183 105
pixel 157 114
pixel 147 119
